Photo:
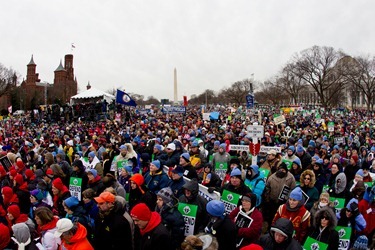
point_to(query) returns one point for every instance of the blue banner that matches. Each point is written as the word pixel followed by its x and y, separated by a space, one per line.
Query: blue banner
pixel 250 101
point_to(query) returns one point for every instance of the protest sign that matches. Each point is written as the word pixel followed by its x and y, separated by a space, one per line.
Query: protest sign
pixel 189 212
pixel 75 187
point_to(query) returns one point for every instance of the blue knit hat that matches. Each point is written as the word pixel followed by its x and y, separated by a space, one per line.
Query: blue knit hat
pixel 71 202
pixel 361 243
pixel 296 194
pixel 215 208
pixel 158 147
pixel 297 161
pixel 186 157
pixel 92 154
pixel 156 163
pixel 300 149
pixel 312 143
pixel 217 143
pixel 292 148
pixel 93 172
pixel 129 169
pixel 123 147
pixel 255 168
pixel 359 172
pixel 235 172
pixel 223 146
pixel 195 144
pixel 37 194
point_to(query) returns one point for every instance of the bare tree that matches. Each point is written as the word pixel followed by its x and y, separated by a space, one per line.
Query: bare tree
pixel 270 93
pixel 317 67
pixel 290 81
pixel 237 92
pixel 360 74
pixel 8 80
pixel 151 100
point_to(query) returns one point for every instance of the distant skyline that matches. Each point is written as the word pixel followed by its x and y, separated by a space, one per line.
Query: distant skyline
pixel 135 45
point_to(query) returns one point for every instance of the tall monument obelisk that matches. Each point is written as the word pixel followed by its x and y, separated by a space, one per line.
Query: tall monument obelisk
pixel 175 87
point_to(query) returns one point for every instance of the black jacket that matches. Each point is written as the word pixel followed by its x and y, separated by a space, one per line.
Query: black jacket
pixel 112 230
pixel 268 242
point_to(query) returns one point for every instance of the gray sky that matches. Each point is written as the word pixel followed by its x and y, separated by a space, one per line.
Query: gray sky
pixel 135 45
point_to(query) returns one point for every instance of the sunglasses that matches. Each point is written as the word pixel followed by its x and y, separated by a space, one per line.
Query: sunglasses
pixel 307 179
pixel 324 217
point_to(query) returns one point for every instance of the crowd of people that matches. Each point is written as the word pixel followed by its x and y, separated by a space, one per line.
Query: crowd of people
pixel 128 183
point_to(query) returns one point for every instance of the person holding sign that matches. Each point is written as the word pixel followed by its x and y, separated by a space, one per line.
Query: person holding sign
pixel 295 211
pixel 221 225
pixel 248 220
pixel 323 229
pixel 351 217
pixel 307 182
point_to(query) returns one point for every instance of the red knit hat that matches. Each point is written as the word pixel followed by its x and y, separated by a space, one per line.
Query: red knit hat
pixel 19 179
pixel 20 164
pixel 2 171
pixel 252 247
pixel 355 158
pixel 141 212
pixel 49 173
pixel 29 174
pixel 7 192
pixel 13 173
pixel 57 183
pixel 14 210
pixel 138 179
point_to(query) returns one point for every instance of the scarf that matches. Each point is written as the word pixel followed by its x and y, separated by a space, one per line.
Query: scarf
pixel 154 221
pixel 21 246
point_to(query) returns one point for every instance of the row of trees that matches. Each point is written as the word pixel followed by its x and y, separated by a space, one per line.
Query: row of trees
pixel 318 75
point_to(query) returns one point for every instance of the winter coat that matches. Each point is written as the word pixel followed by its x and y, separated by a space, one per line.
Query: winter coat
pixel 312 193
pixel 58 203
pixel 156 181
pixel 176 186
pixel 275 185
pixel 190 172
pixel 78 241
pixel 328 235
pixel 249 234
pixel 299 217
pixel 48 240
pixel 96 185
pixel 268 242
pixel 364 207
pixel 305 160
pixel 241 190
pixel 225 232
pixel 257 186
pixel 155 236
pixel 195 199
pixel 172 160
pixel 173 220
pixel 112 230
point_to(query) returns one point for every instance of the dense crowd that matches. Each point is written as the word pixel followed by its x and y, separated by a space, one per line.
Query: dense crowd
pixel 139 182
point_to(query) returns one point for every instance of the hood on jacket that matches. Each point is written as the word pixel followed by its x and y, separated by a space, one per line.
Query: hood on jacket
pixel 193 187
pixel 312 178
pixel 283 226
pixel 340 183
pixel 328 213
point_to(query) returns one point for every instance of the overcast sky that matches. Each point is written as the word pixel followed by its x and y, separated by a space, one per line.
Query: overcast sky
pixel 135 45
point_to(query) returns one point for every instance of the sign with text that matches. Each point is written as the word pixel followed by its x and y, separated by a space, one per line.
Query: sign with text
pixel 6 163
pixel 256 131
pixel 220 169
pixel 75 187
pixel 242 221
pixel 339 140
pixel 189 212
pixel 174 110
pixel 278 119
pixel 283 196
pixel 230 200
pixel 250 101
pixel 344 237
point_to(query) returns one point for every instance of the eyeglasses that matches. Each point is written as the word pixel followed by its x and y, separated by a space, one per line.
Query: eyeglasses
pixel 307 179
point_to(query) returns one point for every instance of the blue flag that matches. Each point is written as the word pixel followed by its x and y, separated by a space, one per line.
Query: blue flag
pixel 123 98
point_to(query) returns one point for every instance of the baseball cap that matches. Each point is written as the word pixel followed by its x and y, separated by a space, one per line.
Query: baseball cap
pixel 105 197
pixel 63 225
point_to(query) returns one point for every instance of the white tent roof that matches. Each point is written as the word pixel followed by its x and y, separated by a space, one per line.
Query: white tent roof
pixel 93 93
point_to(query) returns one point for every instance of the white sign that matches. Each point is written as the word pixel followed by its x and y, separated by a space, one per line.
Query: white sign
pixel 206 116
pixel 256 131
pixel 239 147
pixel 266 149
pixel 279 119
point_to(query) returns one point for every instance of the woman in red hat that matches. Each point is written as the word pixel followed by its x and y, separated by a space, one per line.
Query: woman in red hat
pixel 60 193
pixel 139 192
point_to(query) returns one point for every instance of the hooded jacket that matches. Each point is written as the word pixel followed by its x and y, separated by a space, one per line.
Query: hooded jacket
pixel 310 190
pixel 78 241
pixel 285 226
pixel 328 234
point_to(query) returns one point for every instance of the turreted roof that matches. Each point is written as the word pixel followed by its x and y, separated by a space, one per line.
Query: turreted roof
pixel 32 61
pixel 60 68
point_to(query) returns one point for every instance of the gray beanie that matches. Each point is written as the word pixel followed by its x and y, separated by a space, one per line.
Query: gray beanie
pixel 21 235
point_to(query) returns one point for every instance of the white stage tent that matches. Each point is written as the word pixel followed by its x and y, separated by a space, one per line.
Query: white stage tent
pixel 91 95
